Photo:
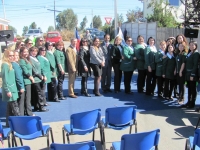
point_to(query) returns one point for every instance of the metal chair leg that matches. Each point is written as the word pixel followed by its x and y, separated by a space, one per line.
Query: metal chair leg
pixel 14 139
pixel 21 141
pixel 52 138
pixel 93 135
pixel 197 123
pixel 135 126
pixel 63 133
pixel 130 129
pixel 48 139
pixel 68 138
pixel 9 145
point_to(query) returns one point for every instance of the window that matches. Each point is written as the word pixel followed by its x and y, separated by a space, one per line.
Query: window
pixel 30 31
pixel 174 2
pixel 50 35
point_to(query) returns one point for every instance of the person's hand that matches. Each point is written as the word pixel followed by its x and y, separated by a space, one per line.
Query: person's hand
pixel 74 70
pixel 134 58
pixel 45 78
pixel 32 79
pixel 163 76
pixel 86 69
pixel 22 91
pixel 164 57
pixel 9 94
pixel 174 72
pixel 102 64
pixel 122 57
pixel 62 72
pixel 180 74
pixel 191 78
pixel 42 78
pixel 149 69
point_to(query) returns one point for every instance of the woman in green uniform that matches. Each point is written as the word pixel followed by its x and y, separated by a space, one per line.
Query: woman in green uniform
pixel 191 68
pixel 9 88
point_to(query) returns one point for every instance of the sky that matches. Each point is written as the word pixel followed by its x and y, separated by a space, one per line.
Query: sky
pixel 22 13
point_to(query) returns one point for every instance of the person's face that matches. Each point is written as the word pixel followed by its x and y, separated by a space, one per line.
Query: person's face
pixel 60 47
pixel 129 42
pixel 73 43
pixel 29 44
pixel 170 48
pixel 20 45
pixel 85 43
pixel 96 42
pixel 43 52
pixel 118 41
pixel 11 56
pixel 151 42
pixel 192 46
pixel 16 56
pixel 34 53
pixel 180 39
pixel 40 41
pixel 107 38
pixel 181 47
pixel 25 53
pixel 169 42
pixel 50 46
pixel 140 40
pixel 163 46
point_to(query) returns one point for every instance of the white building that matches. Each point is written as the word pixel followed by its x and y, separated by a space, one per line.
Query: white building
pixel 178 9
pixel 4 24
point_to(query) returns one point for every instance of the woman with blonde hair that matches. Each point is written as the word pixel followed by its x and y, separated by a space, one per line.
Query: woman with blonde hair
pixel 9 88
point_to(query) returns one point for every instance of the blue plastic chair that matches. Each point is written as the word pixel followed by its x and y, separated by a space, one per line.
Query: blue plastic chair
pixel 17 148
pixel 138 141
pixel 193 142
pixel 76 146
pixel 5 133
pixel 82 123
pixel 119 118
pixel 28 128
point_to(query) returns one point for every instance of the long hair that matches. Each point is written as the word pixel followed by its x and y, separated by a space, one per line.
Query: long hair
pixel 184 39
pixel 95 47
pixel 6 58
pixel 17 44
pixel 81 43
pixel 117 37
pixel 27 60
pixel 195 43
pixel 185 48
pixel 166 51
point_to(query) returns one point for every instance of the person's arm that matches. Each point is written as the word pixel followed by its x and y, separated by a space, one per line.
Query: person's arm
pixel 126 53
pixel 164 67
pixel 58 62
pixel 138 53
pixel 94 56
pixel 195 65
pixel 4 75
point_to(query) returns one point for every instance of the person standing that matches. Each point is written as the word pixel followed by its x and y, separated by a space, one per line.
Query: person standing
pixel 72 62
pixel 106 75
pixel 9 88
pixel 128 64
pixel 97 61
pixel 52 85
pixel 139 54
pixel 61 65
pixel 19 82
pixel 88 36
pixel 150 66
pixel 84 69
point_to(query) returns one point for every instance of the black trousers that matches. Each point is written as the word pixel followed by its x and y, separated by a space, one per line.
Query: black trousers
pixel 21 103
pixel 141 80
pixel 12 110
pixel 169 86
pixel 127 80
pixel 43 88
pixel 52 90
pixel 38 98
pixel 150 82
pixel 60 85
pixel 192 92
pixel 28 93
pixel 106 77
pixel 160 85
pixel 117 76
pixel 84 84
pixel 181 85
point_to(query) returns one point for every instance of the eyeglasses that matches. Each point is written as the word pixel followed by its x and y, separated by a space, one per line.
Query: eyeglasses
pixel 41 40
pixel 30 43
pixel 130 40
pixel 22 45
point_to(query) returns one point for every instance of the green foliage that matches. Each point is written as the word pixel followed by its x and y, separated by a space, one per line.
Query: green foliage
pixel 120 19
pixel 133 15
pixel 97 23
pixel 83 23
pixel 50 28
pixel 162 14
pixel 67 19
pixel 108 30
pixel 33 26
pixel 25 29
pixel 12 28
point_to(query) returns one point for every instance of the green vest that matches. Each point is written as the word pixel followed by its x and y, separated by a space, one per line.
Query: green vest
pixel 139 54
pixel 27 71
pixel 60 59
pixel 52 62
pixel 159 63
pixel 149 57
pixel 37 74
pixel 169 65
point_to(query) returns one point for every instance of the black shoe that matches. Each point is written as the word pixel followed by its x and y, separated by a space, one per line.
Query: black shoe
pixel 184 106
pixel 46 104
pixel 56 100
pixel 160 96
pixel 43 110
pixel 61 98
pixel 130 93
pixel 109 90
pixel 87 95
pixel 116 91
pixel 75 93
pixel 104 91
pixel 97 94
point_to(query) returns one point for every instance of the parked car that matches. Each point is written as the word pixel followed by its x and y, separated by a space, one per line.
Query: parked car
pixel 99 34
pixel 91 30
pixel 34 33
pixel 53 37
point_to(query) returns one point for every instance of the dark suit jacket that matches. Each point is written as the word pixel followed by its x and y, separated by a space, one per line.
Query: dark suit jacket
pixel 107 53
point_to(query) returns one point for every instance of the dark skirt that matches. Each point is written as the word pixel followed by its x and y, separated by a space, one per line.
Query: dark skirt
pixel 97 70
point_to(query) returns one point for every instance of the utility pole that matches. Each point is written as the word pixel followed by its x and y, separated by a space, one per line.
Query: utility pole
pixel 116 16
pixel 4 9
pixel 92 18
pixel 54 13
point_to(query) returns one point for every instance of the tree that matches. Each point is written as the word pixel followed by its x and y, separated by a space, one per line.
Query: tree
pixel 120 19
pixel 50 28
pixel 97 23
pixel 83 23
pixel 67 19
pixel 25 29
pixel 12 28
pixel 133 15
pixel 33 26
pixel 162 14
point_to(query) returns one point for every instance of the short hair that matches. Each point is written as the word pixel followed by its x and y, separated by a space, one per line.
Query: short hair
pixel 59 43
pixel 128 37
pixel 106 35
pixel 117 37
pixel 150 39
pixel 33 48
pixel 140 36
pixel 72 39
pixel 163 42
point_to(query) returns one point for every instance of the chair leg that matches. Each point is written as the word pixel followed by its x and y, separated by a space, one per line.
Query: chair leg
pixel 130 129
pixel 48 139
pixel 156 147
pixel 93 135
pixel 68 138
pixel 135 126
pixel 63 133
pixel 187 145
pixel 101 135
pixel 14 139
pixel 9 145
pixel 197 123
pixel 21 141
pixel 52 138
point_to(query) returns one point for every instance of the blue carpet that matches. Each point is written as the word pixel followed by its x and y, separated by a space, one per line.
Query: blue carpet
pixel 62 111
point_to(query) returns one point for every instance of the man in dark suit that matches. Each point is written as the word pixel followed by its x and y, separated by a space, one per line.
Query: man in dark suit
pixel 106 76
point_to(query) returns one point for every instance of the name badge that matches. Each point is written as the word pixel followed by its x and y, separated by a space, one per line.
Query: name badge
pixel 178 59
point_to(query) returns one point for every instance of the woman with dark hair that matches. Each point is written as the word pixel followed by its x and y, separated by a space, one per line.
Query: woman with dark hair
pixel 180 39
pixel 61 63
pixel 39 42
pixel 97 61
pixel 139 54
pixel 84 69
pixel 150 66
pixel 26 66
pixel 18 45
pixel 52 85
pixel 169 71
pixel 191 67
pixel 28 43
pixel 116 56
pixel 180 70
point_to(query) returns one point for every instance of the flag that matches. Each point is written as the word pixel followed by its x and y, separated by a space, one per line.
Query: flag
pixel 78 40
pixel 120 34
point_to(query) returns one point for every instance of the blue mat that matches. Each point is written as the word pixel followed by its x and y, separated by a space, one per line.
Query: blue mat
pixel 62 111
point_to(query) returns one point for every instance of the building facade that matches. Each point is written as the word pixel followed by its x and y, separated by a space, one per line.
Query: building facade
pixel 4 24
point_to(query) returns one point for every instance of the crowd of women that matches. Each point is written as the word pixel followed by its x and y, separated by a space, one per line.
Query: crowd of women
pixel 27 70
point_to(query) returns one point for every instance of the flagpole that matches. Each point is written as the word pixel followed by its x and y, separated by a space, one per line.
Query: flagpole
pixel 4 9
pixel 116 16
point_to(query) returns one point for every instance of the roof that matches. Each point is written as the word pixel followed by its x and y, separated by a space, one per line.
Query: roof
pixel 2 20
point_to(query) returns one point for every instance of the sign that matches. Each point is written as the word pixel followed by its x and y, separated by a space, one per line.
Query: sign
pixel 108 20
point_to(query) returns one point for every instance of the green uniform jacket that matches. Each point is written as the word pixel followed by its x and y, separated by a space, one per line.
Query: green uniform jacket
pixel 180 59
pixel 159 63
pixel 191 66
pixel 37 74
pixel 8 83
pixel 45 67
pixel 60 59
pixel 149 57
pixel 128 64
pixel 169 65
pixel 27 71
pixel 18 76
pixel 139 54
pixel 52 62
